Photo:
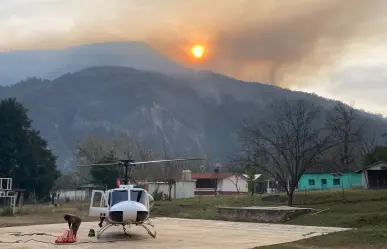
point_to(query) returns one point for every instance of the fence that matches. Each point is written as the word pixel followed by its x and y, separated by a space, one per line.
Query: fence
pixel 73 195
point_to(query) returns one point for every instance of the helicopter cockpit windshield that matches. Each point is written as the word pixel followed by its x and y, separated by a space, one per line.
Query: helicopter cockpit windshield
pixel 118 196
pixel 139 195
pixel 135 195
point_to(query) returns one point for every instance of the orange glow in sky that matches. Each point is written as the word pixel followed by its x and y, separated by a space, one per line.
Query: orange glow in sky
pixel 197 51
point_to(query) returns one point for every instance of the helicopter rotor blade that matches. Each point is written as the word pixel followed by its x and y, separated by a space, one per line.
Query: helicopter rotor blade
pixel 98 164
pixel 166 160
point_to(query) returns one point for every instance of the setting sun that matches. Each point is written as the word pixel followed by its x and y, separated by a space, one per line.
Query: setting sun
pixel 197 51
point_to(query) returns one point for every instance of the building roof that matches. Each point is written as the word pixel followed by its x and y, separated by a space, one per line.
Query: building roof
pixel 256 176
pixel 329 168
pixel 211 175
pixel 327 173
pixel 371 165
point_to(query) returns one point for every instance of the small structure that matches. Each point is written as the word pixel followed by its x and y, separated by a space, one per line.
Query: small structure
pixel 183 188
pixel 263 184
pixel 222 183
pixel 80 193
pixel 261 214
pixel 9 195
pixel 180 189
pixel 324 181
pixel 374 176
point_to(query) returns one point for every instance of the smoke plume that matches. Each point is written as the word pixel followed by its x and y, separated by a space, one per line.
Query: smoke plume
pixel 275 42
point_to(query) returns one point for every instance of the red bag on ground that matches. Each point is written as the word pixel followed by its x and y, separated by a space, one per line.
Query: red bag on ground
pixel 67 237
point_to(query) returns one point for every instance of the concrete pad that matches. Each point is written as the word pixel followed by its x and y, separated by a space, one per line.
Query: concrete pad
pixel 278 215
pixel 171 233
pixel 279 208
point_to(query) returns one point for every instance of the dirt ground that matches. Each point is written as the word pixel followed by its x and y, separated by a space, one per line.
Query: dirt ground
pixel 171 233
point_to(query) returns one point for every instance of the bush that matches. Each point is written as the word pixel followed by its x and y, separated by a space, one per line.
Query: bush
pixel 8 211
pixel 158 195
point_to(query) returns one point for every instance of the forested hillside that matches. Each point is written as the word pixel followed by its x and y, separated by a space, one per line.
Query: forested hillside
pixel 191 115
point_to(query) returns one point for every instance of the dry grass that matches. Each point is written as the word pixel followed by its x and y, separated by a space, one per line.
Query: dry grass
pixel 361 209
pixel 44 214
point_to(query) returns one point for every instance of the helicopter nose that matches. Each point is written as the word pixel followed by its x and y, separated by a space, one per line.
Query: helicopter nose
pixel 128 211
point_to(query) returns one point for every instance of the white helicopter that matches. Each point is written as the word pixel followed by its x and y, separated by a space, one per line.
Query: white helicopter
pixel 125 205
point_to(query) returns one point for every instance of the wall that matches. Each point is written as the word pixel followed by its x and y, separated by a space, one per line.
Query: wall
pixel 184 189
pixel 228 184
pixel 74 195
pixel 348 180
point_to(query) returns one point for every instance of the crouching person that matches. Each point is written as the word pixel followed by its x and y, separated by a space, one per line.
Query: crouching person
pixel 74 223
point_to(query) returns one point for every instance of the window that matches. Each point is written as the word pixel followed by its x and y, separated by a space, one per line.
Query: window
pixel 135 195
pixel 324 181
pixel 119 196
pixel 311 182
pixel 336 181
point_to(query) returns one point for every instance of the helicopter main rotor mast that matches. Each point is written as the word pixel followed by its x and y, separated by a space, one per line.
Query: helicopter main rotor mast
pixel 127 169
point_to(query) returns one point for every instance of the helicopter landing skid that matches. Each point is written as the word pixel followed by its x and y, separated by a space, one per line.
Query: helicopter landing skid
pixel 145 226
pixel 103 229
pixel 150 232
pixel 126 230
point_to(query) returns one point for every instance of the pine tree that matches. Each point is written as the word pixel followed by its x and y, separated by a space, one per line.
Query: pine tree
pixel 24 154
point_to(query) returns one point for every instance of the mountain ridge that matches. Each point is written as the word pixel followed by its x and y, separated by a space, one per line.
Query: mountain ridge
pixel 115 87
pixel 52 63
pixel 157 108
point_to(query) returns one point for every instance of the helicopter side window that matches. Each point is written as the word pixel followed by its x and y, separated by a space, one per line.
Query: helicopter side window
pixel 135 195
pixel 118 196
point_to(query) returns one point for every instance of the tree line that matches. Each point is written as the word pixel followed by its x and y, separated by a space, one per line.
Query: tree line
pixel 99 150
pixel 301 136
pixel 26 157
pixel 24 154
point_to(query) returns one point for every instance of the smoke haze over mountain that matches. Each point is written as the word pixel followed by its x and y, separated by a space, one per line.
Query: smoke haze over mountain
pixel 300 44
pixel 259 40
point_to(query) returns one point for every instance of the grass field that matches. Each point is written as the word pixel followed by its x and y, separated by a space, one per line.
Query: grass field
pixel 361 209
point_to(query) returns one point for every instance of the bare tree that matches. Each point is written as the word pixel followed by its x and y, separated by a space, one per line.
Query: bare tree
pixel 94 148
pixel 251 171
pixel 145 154
pixel 171 173
pixel 236 183
pixel 131 148
pixel 384 135
pixel 216 171
pixel 90 150
pixel 240 168
pixel 294 141
pixel 368 144
pixel 348 129
pixel 65 182
pixel 126 146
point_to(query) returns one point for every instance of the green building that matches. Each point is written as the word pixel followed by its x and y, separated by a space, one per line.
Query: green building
pixel 322 181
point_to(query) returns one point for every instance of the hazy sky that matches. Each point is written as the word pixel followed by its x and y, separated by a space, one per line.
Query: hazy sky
pixel 336 48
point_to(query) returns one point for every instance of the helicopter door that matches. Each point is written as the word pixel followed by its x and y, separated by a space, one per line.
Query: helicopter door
pixel 97 204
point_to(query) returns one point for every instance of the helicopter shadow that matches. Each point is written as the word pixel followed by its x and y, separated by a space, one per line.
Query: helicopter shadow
pixel 120 236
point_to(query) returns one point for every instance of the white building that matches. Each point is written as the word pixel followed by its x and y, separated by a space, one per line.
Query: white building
pixel 181 189
pixel 226 183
